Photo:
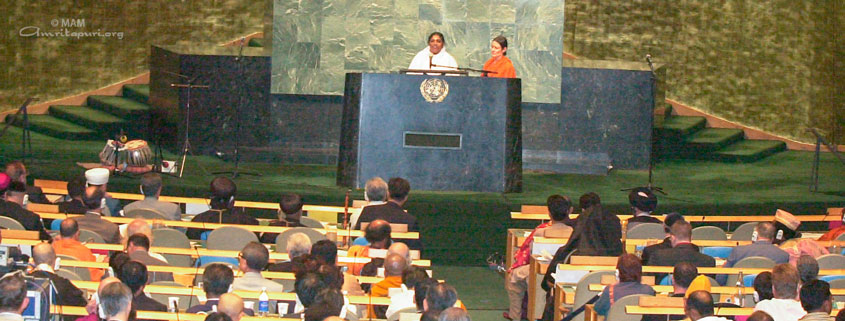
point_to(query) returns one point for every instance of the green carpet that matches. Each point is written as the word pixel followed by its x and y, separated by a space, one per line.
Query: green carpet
pixel 464 227
pixel 481 289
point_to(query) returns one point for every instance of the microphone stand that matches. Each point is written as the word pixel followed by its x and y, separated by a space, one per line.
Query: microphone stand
pixel 651 157
pixel 236 171
pixel 189 84
pixel 26 139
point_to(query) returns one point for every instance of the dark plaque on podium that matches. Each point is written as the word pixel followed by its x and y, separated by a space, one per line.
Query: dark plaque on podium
pixel 438 132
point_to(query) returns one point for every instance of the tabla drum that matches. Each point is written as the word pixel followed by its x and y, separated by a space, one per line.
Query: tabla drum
pixel 109 153
pixel 135 153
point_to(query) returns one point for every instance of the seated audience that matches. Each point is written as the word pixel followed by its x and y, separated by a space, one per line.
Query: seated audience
pixel 329 302
pixel 798 247
pixel 307 286
pixel 116 302
pixel 668 221
pixel 325 252
pixel 251 261
pixel 223 208
pixel 421 291
pixel 377 234
pixel 13 298
pixel 140 226
pixel 699 307
pixel 394 265
pixel 17 173
pixel 808 268
pixel 75 189
pixel 298 247
pixel 151 188
pixel 290 212
pixel 761 246
pixel 372 267
pixel 516 280
pixel 94 302
pixel 392 211
pixel 217 316
pixel 816 300
pixel 411 278
pixel 45 259
pixel 134 275
pixel 643 202
pixel 99 178
pixel 682 276
pixel 630 277
pixel 760 316
pixel 68 244
pixel 598 233
pixel 454 314
pixel 232 305
pixel 682 250
pixel 375 193
pixel 13 208
pixel 784 306
pixel 216 279
pixel 836 232
pixel 763 287
pixel 138 247
pixel 786 227
pixel 438 299
pixel 93 220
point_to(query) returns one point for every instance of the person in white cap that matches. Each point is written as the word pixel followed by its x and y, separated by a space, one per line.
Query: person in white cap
pixel 99 177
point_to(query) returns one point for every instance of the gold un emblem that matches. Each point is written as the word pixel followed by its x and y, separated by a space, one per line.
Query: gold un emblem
pixel 434 90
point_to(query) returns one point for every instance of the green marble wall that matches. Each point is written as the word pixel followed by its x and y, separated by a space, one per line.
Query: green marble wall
pixel 316 42
pixel 62 64
pixel 772 65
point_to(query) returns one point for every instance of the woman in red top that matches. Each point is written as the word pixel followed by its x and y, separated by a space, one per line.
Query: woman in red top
pixel 499 63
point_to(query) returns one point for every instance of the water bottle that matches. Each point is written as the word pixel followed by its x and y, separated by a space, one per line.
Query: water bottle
pixel 740 296
pixel 263 303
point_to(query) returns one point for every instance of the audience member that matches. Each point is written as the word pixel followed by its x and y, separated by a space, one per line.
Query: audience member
pixel 440 297
pixel 784 306
pixel 682 250
pixel 134 275
pixel 68 244
pixel 798 247
pixel 668 221
pixel 45 260
pixel 325 252
pixel 232 305
pixel 290 212
pixel 411 278
pixel 306 286
pixel 17 173
pixel 682 276
pixel 392 211
pixel 371 268
pixel 116 260
pixel 808 268
pixel 763 287
pixel 816 300
pixel 699 306
pixel 116 302
pixel 93 220
pixel 298 247
pixel 760 316
pixel 786 227
pixel 13 298
pixel 138 246
pixel 329 302
pixel 394 265
pixel 151 185
pixel 217 316
pixel 223 210
pixel 559 209
pixel 630 277
pixel 13 208
pixel 375 193
pixel 140 226
pixel 75 190
pixel 643 202
pixel 251 261
pixel 377 234
pixel 94 303
pixel 454 314
pixel 99 178
pixel 836 232
pixel 216 279
pixel 761 246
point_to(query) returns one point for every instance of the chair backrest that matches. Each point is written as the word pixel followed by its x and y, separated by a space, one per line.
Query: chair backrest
pixel 86 235
pixel 11 223
pixel 750 262
pixel 68 274
pixel 82 273
pixel 838 284
pixel 310 222
pixel 168 237
pixel 395 316
pixel 841 237
pixel 617 309
pixel 185 301
pixel 647 231
pixel 582 290
pixel 744 232
pixel 709 233
pixel 721 252
pixel 145 213
pixel 230 238
pixel 831 261
pixel 282 239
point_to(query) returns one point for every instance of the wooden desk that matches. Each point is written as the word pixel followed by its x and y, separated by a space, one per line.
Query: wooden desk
pixel 155 315
pixel 635 309
pixel 536 212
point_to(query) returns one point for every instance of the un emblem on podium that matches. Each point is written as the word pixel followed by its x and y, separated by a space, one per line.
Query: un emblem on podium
pixel 434 90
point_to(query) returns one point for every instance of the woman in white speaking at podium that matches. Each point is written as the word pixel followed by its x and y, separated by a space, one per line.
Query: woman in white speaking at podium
pixel 434 57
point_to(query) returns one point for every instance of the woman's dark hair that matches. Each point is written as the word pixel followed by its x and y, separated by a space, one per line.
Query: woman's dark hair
pixel 502 41
pixel 217 316
pixel 117 260
pixel 421 291
pixel 589 200
pixel 438 34
pixel 763 286
pixel 630 268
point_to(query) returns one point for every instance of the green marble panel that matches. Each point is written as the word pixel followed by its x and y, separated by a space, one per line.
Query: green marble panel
pixel 308 27
pixel 431 13
pixel 503 11
pixel 406 33
pixel 311 7
pixel 455 10
pixel 478 11
pixel 334 8
pixel 406 9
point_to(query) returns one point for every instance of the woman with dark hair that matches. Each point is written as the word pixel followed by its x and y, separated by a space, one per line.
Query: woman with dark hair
pixel 434 57
pixel 500 65
pixel 630 273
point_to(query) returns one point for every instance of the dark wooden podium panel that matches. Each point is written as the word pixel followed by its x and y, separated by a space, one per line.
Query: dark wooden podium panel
pixel 469 141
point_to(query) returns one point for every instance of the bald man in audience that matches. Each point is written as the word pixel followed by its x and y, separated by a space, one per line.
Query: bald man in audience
pixel 232 305
pixel 377 234
pixel 699 306
pixel 394 265
pixel 45 259
pixel 139 226
pixel 93 220
pixel 68 244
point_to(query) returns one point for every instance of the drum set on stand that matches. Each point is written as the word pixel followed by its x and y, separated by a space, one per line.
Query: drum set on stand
pixel 132 156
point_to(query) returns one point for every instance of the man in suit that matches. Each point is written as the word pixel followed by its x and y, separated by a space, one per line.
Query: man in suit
pixel 134 275
pixel 17 172
pixel 93 220
pixel 138 246
pixel 682 250
pixel 75 189
pixel 392 211
pixel 375 193
pixel 643 201
pixel 251 261
pixel 151 188
pixel 761 245
pixel 668 221
pixel 216 280
pixel 13 208
pixel 223 191
pixel 45 259
pixel 290 211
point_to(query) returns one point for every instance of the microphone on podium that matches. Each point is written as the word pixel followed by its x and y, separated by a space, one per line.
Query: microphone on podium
pixel 430 59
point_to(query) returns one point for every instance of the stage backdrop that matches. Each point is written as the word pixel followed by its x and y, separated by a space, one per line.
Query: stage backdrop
pixel 315 43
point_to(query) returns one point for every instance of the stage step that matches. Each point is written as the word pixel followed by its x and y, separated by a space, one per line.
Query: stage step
pixel 701 143
pixel 256 42
pixel 119 106
pixel 679 125
pixel 56 127
pixel 747 151
pixel 90 118
pixel 139 93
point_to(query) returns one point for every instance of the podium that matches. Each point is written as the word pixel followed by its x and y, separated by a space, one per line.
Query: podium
pixel 438 132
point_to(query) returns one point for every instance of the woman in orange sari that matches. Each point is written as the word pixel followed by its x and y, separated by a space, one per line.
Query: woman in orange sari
pixel 499 62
